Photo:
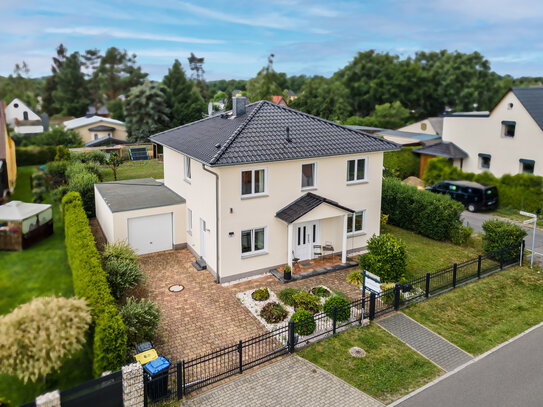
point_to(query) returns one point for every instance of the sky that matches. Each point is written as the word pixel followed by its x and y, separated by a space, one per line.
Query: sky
pixel 307 37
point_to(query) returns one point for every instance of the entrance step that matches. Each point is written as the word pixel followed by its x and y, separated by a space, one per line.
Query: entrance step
pixel 200 264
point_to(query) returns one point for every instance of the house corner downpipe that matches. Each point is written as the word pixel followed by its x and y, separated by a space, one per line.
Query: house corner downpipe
pixel 218 278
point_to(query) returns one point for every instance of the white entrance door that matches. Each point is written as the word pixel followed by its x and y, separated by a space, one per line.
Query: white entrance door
pixel 306 235
pixel 203 238
pixel 149 234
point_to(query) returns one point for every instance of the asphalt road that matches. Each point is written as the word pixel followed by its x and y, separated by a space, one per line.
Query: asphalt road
pixel 511 376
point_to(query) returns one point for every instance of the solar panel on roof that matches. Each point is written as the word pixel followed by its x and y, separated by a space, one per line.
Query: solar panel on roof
pixel 138 154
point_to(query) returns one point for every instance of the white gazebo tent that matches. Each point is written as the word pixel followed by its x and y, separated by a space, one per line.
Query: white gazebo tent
pixel 22 224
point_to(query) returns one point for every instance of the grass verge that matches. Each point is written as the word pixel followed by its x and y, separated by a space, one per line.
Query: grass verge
pixel 135 169
pixel 390 369
pixel 481 315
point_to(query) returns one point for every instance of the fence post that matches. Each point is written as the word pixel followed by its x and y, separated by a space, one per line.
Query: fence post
pixel 427 285
pixel 372 306
pixel 455 266
pixel 397 297
pixel 334 315
pixel 501 258
pixel 479 261
pixel 240 351
pixel 290 340
pixel 179 380
pixel 184 381
pixel 522 245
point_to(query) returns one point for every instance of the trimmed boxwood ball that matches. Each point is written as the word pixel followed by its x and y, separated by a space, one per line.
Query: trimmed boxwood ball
pixel 343 308
pixel 273 313
pixel 304 322
pixel 261 294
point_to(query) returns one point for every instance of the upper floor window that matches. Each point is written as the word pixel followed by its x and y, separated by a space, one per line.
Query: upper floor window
pixel 484 161
pixel 253 182
pixel 25 115
pixel 188 173
pixel 356 170
pixel 96 136
pixel 356 222
pixel 527 166
pixel 309 175
pixel 508 129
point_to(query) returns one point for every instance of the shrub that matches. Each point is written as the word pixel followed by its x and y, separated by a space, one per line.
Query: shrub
pixel 141 320
pixel 90 282
pixel 384 220
pixel 58 193
pixel 95 156
pixel 286 295
pixel 306 301
pixel 461 234
pixel 387 258
pixel 304 322
pixel 355 277
pixel 402 163
pixel 273 313
pixel 57 136
pixel 122 274
pixel 57 171
pixel 119 250
pixel 388 294
pixel 423 212
pixel 34 155
pixel 498 234
pixel 320 291
pixel 38 186
pixel 261 294
pixel 94 168
pixel 38 336
pixel 63 154
pixel 342 306
pixel 83 183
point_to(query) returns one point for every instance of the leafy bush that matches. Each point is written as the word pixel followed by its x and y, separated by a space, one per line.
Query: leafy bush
pixel 95 156
pixel 141 320
pixel 461 234
pixel 273 313
pixel 94 168
pixel 83 183
pixel 38 336
pixel 387 257
pixel 261 294
pixel 388 294
pixel 306 301
pixel 58 193
pixel 426 213
pixel 38 186
pixel 57 171
pixel 62 154
pixel 383 220
pixel 57 136
pixel 90 282
pixel 286 295
pixel 498 234
pixel 402 163
pixel 122 274
pixel 304 322
pixel 119 250
pixel 355 277
pixel 320 291
pixel 34 155
pixel 342 306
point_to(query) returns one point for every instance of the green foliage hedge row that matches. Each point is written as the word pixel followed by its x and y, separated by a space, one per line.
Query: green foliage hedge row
pixel 426 213
pixel 402 163
pixel 387 258
pixel 498 234
pixel 90 282
pixel 35 155
pixel 520 191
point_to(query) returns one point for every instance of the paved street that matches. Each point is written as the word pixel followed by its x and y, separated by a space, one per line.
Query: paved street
pixel 511 376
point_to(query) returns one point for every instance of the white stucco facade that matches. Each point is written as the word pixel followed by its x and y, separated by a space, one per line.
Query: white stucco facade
pixel 17 113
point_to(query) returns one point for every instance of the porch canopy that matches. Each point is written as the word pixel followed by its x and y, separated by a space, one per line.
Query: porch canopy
pixel 310 207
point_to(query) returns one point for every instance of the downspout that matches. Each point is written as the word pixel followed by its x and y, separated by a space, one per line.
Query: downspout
pixel 218 280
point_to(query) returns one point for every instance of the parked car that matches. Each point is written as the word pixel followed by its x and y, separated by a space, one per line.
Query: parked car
pixel 474 196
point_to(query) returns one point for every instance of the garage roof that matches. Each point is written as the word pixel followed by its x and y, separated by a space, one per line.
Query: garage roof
pixel 135 194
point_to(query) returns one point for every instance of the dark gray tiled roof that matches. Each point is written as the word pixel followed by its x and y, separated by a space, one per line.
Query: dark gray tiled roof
pixel 442 149
pixel 135 194
pixel 260 136
pixel 306 203
pixel 532 99
pixel 102 127
pixel 105 140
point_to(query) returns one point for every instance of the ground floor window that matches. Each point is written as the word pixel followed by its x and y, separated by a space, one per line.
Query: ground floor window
pixel 253 241
pixel 356 222
pixel 484 161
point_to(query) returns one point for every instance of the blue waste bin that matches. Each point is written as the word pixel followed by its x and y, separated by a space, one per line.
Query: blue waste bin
pixel 157 378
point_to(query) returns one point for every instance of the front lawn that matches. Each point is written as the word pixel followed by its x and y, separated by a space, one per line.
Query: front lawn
pixel 135 169
pixel 390 369
pixel 426 255
pixel 481 315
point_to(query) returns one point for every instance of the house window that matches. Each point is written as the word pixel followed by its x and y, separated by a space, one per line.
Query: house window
pixel 527 166
pixel 356 222
pixel 189 220
pixel 356 170
pixel 253 182
pixel 309 175
pixel 25 115
pixel 16 105
pixel 109 134
pixel 188 173
pixel 508 129
pixel 484 161
pixel 253 241
pixel 95 136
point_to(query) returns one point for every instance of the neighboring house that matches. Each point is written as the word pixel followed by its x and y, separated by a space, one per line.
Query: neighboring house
pixel 22 119
pixel 98 131
pixel 102 111
pixel 507 140
pixel 408 138
pixel 260 186
pixel 8 165
pixel 279 100
pixel 292 95
pixel 431 125
pixel 236 92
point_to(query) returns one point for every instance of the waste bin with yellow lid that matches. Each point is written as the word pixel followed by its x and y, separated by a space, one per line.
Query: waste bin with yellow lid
pixel 146 356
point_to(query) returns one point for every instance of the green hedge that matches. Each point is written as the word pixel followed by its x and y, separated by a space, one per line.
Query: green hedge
pixel 90 283
pixel 402 163
pixel 35 155
pixel 498 234
pixel 521 191
pixel 426 213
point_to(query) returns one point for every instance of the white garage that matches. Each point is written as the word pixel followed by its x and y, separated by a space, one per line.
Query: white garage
pixel 144 212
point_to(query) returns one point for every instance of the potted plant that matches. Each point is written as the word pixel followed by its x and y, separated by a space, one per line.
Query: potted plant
pixel 287 273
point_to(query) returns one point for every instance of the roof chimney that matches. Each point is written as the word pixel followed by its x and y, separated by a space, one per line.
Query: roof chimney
pixel 288 135
pixel 238 106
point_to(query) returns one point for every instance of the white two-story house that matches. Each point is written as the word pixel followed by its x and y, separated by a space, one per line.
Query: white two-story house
pixel 262 185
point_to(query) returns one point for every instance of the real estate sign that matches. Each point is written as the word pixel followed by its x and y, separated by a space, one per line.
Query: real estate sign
pixel 371 283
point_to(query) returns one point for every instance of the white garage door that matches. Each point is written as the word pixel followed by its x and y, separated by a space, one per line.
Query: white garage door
pixel 149 234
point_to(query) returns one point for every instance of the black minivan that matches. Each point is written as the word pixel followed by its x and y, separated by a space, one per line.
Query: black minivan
pixel 474 196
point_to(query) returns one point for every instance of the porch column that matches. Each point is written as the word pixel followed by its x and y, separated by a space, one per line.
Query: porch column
pixel 344 245
pixel 289 244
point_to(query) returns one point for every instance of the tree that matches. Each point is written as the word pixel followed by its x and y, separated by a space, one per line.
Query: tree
pixel 56 136
pixel 265 84
pixel 116 109
pixel 118 72
pixel 71 95
pixel 184 103
pixel 196 65
pixel 48 103
pixel 228 104
pixel 92 58
pixel 146 111
pixel 114 161
pixel 36 337
pixel 387 116
pixel 219 96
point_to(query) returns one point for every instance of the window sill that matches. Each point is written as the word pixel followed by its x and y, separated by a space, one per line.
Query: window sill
pixel 254 196
pixel 355 234
pixel 188 180
pixel 254 254
pixel 362 181
pixel 308 189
